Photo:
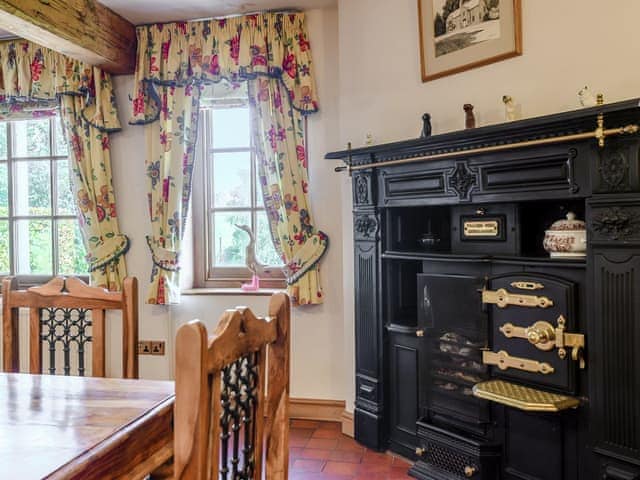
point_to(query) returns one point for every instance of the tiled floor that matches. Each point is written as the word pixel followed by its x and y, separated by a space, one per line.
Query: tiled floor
pixel 319 451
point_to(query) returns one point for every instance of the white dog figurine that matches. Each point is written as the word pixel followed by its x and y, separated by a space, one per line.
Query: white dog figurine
pixel 587 99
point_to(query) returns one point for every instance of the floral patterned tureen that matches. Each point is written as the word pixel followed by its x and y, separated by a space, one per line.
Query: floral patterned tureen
pixel 566 238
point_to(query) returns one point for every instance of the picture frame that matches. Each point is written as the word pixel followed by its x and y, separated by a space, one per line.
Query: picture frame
pixel 458 35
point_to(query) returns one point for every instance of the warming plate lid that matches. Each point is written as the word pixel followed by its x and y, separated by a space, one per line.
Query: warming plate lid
pixel 523 398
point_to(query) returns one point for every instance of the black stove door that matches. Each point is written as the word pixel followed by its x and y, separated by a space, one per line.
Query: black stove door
pixel 455 326
pixel 562 294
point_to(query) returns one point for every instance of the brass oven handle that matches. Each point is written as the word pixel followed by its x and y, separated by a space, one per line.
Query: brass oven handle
pixel 547 337
pixel 541 334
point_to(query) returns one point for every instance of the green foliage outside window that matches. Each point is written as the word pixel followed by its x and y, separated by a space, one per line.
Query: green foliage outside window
pixel 32 140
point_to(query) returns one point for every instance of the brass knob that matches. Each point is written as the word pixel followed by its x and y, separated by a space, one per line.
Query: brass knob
pixel 420 333
pixel 470 471
pixel 541 334
pixel 420 451
pixel 536 336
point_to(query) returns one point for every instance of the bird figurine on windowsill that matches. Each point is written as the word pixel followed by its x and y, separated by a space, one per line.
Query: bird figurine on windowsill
pixel 253 264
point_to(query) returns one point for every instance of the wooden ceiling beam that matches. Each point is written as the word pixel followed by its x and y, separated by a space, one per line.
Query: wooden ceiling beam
pixel 82 29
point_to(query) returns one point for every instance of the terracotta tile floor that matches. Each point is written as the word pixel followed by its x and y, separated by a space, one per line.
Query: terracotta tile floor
pixel 319 451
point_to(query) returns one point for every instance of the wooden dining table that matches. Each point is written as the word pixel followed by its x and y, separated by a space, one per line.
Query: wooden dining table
pixel 57 427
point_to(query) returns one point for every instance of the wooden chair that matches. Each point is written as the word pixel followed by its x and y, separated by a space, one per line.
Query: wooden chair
pixel 58 317
pixel 232 396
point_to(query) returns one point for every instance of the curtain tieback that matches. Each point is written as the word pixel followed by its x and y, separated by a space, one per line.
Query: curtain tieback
pixel 163 258
pixel 306 257
pixel 110 250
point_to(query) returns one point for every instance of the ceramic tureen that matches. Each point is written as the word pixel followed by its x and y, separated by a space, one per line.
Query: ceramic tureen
pixel 566 238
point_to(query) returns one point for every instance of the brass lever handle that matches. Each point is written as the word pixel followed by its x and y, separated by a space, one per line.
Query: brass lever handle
pixel 541 334
pixel 547 337
pixel 420 333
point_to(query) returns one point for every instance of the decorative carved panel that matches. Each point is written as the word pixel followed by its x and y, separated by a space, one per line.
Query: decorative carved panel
pixel 362 193
pixel 463 180
pixel 614 172
pixel 616 223
pixel 365 227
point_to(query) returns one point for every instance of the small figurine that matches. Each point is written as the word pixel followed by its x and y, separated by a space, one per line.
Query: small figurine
pixel 426 126
pixel 368 139
pixel 586 98
pixel 469 119
pixel 509 108
pixel 253 264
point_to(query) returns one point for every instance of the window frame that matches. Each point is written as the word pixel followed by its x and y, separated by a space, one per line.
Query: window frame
pixel 53 160
pixel 206 274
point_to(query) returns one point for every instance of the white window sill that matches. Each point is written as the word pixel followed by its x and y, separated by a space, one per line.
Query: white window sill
pixel 263 292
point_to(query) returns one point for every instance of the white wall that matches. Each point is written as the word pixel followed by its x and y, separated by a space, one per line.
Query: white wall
pixel 567 44
pixel 317 332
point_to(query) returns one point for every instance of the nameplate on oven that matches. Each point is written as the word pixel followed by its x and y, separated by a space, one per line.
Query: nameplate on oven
pixel 481 228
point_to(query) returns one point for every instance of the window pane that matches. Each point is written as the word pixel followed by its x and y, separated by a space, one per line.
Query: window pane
pixel 231 127
pixel 265 251
pixel 70 248
pixel 232 179
pixel 4 247
pixel 64 202
pixel 4 191
pixel 3 140
pixel 229 241
pixel 32 188
pixel 34 252
pixel 31 138
pixel 258 192
pixel 61 139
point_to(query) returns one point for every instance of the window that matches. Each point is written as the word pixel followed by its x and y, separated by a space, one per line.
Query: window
pixel 227 193
pixel 39 232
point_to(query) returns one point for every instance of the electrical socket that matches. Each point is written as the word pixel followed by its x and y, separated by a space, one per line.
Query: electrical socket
pixel 157 347
pixel 144 347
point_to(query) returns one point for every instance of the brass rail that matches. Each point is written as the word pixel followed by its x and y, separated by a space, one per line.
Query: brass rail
pixel 599 134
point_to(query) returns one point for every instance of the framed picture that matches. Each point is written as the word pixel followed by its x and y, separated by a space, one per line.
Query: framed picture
pixel 457 35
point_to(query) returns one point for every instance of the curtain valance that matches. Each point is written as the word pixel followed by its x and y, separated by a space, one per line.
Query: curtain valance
pixel 32 77
pixel 235 49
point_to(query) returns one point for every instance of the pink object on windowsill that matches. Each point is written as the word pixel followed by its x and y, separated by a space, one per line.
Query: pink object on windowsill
pixel 253 285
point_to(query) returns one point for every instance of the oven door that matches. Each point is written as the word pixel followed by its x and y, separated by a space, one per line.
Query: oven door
pixel 455 332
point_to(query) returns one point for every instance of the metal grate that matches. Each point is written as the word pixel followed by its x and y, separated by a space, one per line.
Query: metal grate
pixel 65 326
pixel 238 398
pixel 447 460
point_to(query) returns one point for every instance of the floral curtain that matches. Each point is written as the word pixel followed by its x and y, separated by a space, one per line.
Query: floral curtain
pixel 174 61
pixel 170 152
pixel 279 139
pixel 37 82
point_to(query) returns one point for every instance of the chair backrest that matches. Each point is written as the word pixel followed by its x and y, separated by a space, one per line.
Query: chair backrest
pixel 59 317
pixel 232 396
